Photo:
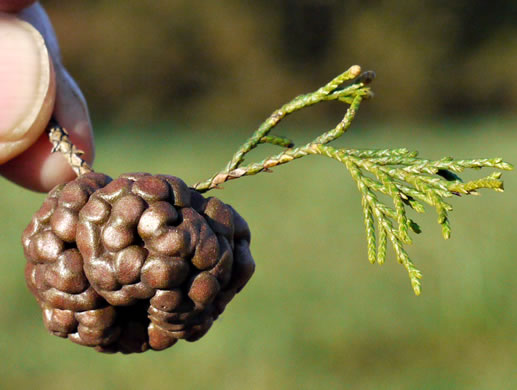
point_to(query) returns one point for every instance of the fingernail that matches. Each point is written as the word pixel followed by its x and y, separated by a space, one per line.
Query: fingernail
pixel 27 82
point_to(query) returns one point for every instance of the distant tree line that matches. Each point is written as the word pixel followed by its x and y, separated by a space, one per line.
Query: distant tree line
pixel 179 61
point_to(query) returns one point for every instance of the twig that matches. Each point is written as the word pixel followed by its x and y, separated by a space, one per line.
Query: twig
pixel 408 180
pixel 352 94
pixel 58 136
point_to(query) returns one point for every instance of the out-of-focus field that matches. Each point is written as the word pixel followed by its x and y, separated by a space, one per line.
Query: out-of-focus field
pixel 316 314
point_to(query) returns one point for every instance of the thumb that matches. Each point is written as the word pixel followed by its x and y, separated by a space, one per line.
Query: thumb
pixel 28 87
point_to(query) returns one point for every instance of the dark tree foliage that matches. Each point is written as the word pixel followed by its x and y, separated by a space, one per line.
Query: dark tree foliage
pixel 171 60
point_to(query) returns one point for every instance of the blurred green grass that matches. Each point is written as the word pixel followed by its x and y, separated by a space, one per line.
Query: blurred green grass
pixel 316 314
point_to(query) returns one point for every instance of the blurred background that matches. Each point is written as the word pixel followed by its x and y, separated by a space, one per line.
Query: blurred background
pixel 169 60
pixel 176 88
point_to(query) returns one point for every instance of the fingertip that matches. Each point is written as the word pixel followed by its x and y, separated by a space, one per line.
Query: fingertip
pixel 71 112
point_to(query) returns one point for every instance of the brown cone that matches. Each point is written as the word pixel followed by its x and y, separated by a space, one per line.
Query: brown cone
pixel 134 264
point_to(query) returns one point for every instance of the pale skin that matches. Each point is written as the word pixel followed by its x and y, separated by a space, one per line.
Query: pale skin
pixel 34 86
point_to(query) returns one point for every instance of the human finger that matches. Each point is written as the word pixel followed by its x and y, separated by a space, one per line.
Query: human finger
pixel 37 168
